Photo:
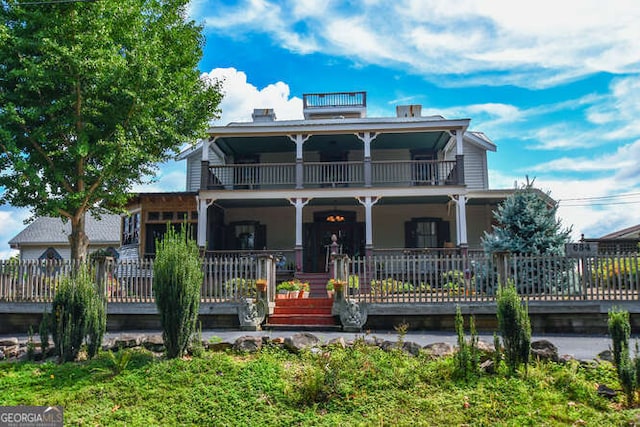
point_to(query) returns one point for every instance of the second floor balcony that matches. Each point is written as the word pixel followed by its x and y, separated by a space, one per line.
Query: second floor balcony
pixel 396 173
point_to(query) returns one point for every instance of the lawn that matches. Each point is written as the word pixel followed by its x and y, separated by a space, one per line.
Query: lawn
pixel 359 385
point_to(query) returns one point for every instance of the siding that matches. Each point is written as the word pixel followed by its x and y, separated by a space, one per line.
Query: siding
pixel 34 252
pixel 193 173
pixel 194 165
pixel 475 166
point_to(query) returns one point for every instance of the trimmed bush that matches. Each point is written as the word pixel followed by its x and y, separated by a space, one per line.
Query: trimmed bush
pixel 77 311
pixel 177 280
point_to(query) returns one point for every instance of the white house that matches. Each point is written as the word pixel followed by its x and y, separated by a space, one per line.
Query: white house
pixel 48 238
pixel 403 183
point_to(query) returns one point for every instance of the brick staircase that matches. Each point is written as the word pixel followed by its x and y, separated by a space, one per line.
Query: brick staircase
pixel 305 313
pixel 302 313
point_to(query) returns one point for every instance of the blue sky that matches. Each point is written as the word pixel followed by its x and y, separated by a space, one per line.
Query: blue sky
pixel 555 84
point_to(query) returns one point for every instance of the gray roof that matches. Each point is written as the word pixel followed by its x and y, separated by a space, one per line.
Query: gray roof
pixel 632 232
pixel 46 230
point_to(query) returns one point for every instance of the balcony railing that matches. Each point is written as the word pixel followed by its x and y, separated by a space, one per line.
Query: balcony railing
pixel 333 100
pixel 338 174
pixel 415 172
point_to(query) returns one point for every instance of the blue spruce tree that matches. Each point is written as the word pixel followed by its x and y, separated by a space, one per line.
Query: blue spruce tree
pixel 527 226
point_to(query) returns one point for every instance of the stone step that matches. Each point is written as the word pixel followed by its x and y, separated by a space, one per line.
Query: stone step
pixel 301 319
pixel 304 302
pixel 316 328
pixel 298 310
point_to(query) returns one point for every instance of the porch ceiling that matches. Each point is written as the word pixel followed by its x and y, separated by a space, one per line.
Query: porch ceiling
pixel 244 146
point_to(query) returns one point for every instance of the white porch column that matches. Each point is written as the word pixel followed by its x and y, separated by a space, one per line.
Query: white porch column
pixel 459 146
pixel 368 203
pixel 366 138
pixel 205 149
pixel 203 205
pixel 299 203
pixel 204 164
pixel 461 219
pixel 299 139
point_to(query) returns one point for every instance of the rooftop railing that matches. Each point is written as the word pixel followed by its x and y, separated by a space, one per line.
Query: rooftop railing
pixel 334 100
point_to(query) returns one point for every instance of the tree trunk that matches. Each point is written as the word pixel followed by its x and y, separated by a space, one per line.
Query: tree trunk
pixel 78 238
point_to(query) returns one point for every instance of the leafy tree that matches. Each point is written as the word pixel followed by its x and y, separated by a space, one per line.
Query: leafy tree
pixel 92 96
pixel 527 224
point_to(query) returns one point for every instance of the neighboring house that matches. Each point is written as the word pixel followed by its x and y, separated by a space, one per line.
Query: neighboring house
pixel 48 238
pixel 625 240
pixel 390 184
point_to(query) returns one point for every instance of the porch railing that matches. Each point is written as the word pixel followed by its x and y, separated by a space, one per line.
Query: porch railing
pixel 252 176
pixel 335 99
pixel 333 174
pixel 384 279
pixel 476 278
pixel 414 172
pixel 338 174
pixel 226 278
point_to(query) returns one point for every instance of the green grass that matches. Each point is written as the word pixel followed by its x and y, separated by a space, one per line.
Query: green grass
pixel 354 386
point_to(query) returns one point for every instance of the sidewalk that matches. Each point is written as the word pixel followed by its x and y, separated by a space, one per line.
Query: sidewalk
pixel 579 346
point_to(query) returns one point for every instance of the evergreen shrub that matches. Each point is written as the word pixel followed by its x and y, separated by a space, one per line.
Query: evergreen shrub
pixel 514 326
pixel 77 312
pixel 177 281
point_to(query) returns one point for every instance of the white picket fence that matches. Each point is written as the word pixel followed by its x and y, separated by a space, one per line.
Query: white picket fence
pixel 400 278
pixel 476 278
pixel 225 279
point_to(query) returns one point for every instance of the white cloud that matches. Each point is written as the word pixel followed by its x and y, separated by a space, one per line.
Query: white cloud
pixel 578 207
pixel 170 178
pixel 241 97
pixel 624 161
pixel 530 44
pixel 12 220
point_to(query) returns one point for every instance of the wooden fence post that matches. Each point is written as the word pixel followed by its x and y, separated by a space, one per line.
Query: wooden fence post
pixel 501 259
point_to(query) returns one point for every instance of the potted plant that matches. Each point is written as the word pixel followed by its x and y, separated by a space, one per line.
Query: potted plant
pixel 261 285
pixel 335 285
pixel 283 289
pixel 304 290
pixel 289 287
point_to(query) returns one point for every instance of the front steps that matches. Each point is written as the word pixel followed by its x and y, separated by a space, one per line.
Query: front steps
pixel 302 314
pixel 317 283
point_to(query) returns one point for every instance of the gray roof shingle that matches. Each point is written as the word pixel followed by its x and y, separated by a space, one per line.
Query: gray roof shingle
pixel 47 230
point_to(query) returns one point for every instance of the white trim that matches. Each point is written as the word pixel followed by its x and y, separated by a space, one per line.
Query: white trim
pixel 332 193
pixel 328 127
pixel 470 138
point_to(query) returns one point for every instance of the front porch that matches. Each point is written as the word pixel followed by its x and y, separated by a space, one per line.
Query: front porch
pixel 299 230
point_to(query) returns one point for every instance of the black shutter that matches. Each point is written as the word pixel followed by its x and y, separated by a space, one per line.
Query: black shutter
pixel 261 237
pixel 444 233
pixel 410 234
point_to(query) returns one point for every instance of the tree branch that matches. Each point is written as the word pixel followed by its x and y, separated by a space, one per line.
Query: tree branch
pixel 50 162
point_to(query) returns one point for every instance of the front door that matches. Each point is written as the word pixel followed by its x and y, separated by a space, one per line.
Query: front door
pixel 342 224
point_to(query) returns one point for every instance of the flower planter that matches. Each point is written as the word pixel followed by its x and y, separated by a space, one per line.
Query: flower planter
pixel 261 285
